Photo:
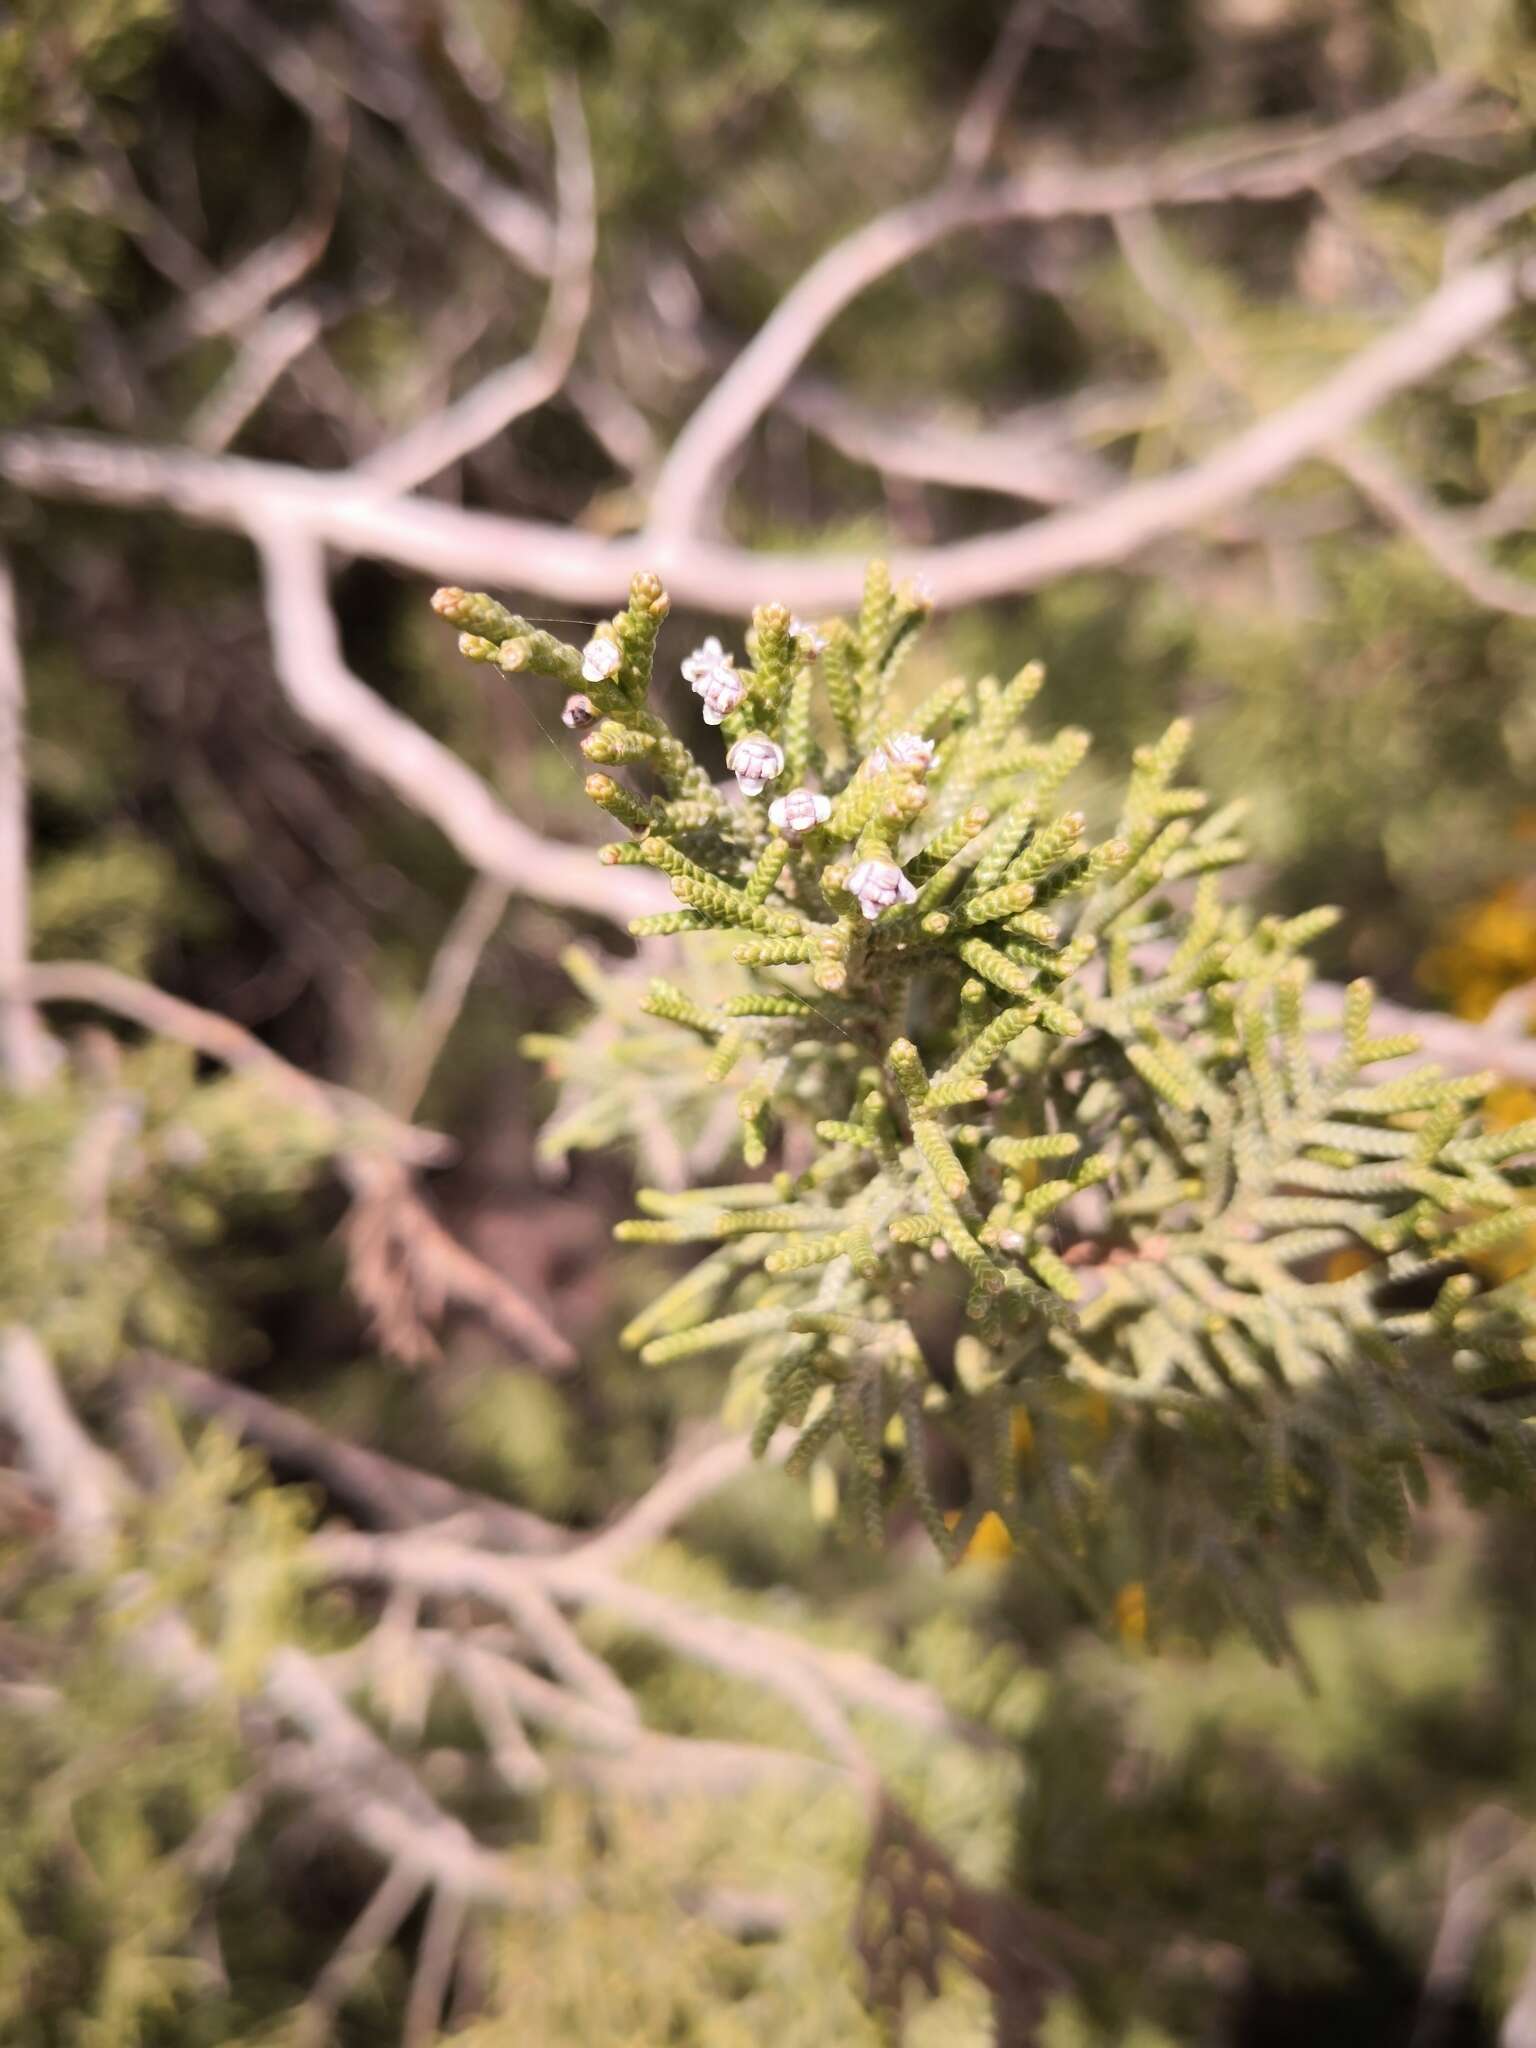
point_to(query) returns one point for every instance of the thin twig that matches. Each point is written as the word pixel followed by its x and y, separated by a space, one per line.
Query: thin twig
pixel 293 510
pixel 1035 454
pixel 435 1565
pixel 359 1948
pixel 982 114
pixel 680 1489
pixel 492 405
pixel 1442 538
pixel 1251 167
pixel 272 346
pixel 420 1255
pixel 382 1489
pixel 105 988
pixel 434 1967
pixel 27 1055
pixel 448 979
pixel 406 1268
pixel 421 770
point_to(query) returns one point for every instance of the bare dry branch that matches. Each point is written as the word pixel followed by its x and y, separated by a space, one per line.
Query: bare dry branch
pixel 434 1967
pixel 692 1480
pixel 1476 224
pixel 433 780
pixel 359 1948
pixel 522 386
pixel 83 981
pixel 271 347
pixel 1264 168
pixel 292 510
pixel 383 1802
pixel 448 979
pixel 431 1564
pixel 982 114
pixel 403 1245
pixel 382 1489
pixel 26 1053
pixel 363 1786
pixel 406 1268
pixel 1441 536
pixel 81 1480
pixel 1035 454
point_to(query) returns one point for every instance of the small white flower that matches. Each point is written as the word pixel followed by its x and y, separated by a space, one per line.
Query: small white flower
pixel 755 760
pixel 711 674
pixel 799 812
pixel 878 884
pixel 579 712
pixel 905 750
pixel 808 634
pixel 919 593
pixel 721 694
pixel 600 659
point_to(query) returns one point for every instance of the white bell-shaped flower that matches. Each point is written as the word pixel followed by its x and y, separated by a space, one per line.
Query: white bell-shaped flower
pixel 600 659
pixel 710 673
pixel 905 750
pixel 799 812
pixel 878 884
pixel 755 761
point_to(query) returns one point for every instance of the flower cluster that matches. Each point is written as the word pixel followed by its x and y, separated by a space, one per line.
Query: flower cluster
pixel 1049 1120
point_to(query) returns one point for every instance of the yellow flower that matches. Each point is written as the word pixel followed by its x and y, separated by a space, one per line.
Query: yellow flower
pixel 1131 1612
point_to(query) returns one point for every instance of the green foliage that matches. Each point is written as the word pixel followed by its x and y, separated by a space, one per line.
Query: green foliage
pixel 112 1787
pixel 120 1185
pixel 1049 1127
pixel 64 70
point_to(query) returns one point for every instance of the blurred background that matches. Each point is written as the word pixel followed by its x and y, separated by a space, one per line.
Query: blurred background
pixel 524 294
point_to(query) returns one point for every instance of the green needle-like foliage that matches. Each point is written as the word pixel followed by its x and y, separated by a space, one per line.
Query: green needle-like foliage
pixel 1077 1215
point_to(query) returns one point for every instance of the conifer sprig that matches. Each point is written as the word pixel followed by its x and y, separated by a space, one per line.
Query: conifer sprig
pixel 1029 1157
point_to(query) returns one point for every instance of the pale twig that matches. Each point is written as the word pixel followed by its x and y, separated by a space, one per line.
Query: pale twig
pixel 1515 1011
pixel 736 1649
pixel 1260 167
pixel 272 346
pixel 626 1752
pixel 447 985
pixel 398 89
pixel 406 1268
pixel 680 1489
pixel 382 1802
pixel 1034 454
pixel 421 770
pixel 435 1958
pixel 382 1489
pixel 343 1767
pixel 1442 537
pixel 1475 224
pixel 982 114
pixel 27 1055
pixel 293 510
pixel 518 1764
pixel 357 1951
pixel 492 405
pixel 434 1565
pixel 430 1565
pixel 82 1481
pixel 1484 1851
pixel 618 426
pixel 105 988
pixel 417 1253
